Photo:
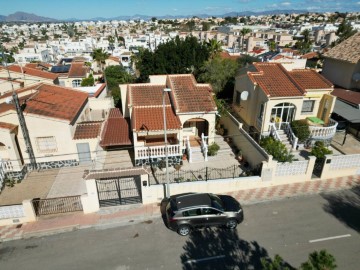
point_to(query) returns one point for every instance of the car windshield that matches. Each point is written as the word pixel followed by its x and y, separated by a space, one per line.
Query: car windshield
pixel 216 202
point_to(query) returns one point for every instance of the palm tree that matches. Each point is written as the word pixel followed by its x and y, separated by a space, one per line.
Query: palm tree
pixel 214 47
pixel 99 55
pixel 320 261
pixel 243 33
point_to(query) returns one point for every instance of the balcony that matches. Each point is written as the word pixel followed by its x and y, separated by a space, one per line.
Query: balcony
pixel 157 151
pixel 323 132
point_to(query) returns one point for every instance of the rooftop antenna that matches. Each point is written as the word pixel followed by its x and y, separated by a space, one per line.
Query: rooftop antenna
pixel 21 117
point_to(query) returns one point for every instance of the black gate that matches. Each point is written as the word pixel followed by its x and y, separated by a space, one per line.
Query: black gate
pixel 118 191
pixel 318 167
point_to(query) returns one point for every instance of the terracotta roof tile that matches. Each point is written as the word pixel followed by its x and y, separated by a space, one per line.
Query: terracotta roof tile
pixel 116 130
pixel 87 130
pixel 310 79
pixel 348 50
pixel 146 95
pixel 190 96
pixel 275 81
pixel 152 119
pixel 78 69
pixel 50 101
pixel 347 95
pixel 33 72
pixel 8 126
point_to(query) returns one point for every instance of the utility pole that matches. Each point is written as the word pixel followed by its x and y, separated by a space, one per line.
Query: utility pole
pixel 21 118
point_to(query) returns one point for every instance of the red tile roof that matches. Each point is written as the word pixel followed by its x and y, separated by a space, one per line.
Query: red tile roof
pixel 50 101
pixel 78 69
pixel 146 95
pixel 87 130
pixel 275 81
pixel 227 55
pixel 116 130
pixel 8 126
pixel 189 96
pixel 33 72
pixel 347 95
pixel 152 119
pixel 310 79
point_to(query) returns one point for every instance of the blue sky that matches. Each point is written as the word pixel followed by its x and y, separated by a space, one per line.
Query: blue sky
pixel 86 9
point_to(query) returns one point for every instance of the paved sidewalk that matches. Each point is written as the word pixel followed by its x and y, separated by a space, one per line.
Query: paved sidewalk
pixel 129 214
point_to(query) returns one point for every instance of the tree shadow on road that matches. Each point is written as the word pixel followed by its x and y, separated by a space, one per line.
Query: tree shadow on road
pixel 345 206
pixel 209 249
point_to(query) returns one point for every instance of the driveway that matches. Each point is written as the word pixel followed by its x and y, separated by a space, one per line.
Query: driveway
pixel 36 185
pixel 346 143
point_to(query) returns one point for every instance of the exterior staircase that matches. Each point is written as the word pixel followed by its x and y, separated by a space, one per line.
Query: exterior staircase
pixel 285 139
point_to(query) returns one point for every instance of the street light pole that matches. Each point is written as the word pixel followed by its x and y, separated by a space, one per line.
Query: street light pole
pixel 166 148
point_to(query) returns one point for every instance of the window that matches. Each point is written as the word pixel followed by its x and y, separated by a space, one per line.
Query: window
pixel 238 98
pixel 210 211
pixel 261 112
pixel 308 106
pixel 76 83
pixel 191 213
pixel 46 144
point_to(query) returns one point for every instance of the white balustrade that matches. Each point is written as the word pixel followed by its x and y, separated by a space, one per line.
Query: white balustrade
pixel 157 151
pixel 274 132
pixel 323 132
pixel 188 148
pixel 204 145
pixel 289 132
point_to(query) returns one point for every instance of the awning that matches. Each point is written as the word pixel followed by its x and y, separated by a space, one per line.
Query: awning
pixel 347 111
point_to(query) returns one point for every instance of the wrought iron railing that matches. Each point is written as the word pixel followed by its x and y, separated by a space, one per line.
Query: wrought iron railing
pixel 203 174
pixel 57 205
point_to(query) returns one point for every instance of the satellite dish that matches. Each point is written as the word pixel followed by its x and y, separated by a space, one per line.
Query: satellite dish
pixel 356 77
pixel 8 100
pixel 244 95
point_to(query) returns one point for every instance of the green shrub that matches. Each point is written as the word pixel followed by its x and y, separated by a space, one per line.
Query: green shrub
pixel 320 150
pixel 301 130
pixel 213 149
pixel 277 149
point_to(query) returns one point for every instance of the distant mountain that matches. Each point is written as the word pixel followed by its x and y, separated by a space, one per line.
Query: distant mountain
pixel 28 17
pixel 25 17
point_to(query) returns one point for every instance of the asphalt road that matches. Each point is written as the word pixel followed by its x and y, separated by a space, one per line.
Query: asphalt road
pixel 292 228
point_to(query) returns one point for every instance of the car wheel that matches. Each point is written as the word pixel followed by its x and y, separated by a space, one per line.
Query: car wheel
pixel 231 224
pixel 183 230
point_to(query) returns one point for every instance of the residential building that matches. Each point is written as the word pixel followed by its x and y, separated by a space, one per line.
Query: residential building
pixel 342 63
pixel 267 98
pixel 190 113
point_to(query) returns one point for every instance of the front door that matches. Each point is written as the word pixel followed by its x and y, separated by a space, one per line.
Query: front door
pixel 83 153
pixel 282 113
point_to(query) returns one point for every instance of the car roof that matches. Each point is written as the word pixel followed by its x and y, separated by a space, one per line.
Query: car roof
pixel 192 199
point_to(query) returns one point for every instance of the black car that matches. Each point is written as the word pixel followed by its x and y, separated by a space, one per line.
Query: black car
pixel 187 211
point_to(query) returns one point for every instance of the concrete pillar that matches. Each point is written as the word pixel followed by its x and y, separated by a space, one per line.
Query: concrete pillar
pixel 29 211
pixel 90 201
pixel 310 168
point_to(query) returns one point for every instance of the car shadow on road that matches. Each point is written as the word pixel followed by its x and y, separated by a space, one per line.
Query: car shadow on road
pixel 208 249
pixel 345 206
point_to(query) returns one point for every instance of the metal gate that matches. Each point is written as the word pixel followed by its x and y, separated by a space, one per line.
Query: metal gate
pixel 118 191
pixel 318 167
pixel 57 205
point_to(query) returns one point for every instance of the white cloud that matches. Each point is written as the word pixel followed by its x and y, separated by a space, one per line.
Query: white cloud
pixel 285 3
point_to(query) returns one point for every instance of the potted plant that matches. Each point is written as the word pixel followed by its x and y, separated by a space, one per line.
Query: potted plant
pixel 213 149
pixel 184 157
